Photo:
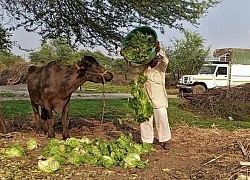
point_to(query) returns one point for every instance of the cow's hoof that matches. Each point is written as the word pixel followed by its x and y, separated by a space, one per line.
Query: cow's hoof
pixel 50 136
pixel 65 137
pixel 38 134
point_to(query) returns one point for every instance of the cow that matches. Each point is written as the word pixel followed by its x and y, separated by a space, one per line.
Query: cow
pixel 50 87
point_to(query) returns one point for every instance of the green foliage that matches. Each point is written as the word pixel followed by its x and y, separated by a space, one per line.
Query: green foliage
pixel 14 151
pixel 118 109
pixel 187 55
pixel 97 152
pixel 101 23
pixel 138 47
pixel 8 60
pixel 16 109
pixel 59 50
pixel 54 50
pixel 7 94
pixel 140 101
pixel 31 144
pixel 48 165
pixel 5 43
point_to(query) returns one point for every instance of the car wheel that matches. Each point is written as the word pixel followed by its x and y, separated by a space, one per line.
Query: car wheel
pixel 199 89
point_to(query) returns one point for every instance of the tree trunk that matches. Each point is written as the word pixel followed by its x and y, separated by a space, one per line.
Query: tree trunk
pixel 3 128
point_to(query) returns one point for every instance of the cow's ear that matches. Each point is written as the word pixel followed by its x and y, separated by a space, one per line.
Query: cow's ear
pixel 81 72
pixel 89 60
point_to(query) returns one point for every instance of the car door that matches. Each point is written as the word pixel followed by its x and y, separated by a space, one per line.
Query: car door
pixel 221 78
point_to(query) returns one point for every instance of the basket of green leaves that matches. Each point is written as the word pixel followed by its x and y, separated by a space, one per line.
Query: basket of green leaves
pixel 139 45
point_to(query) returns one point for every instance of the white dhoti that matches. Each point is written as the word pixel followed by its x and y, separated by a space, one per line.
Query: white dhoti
pixel 162 127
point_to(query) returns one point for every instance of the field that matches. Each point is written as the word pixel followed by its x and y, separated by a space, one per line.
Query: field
pixel 201 148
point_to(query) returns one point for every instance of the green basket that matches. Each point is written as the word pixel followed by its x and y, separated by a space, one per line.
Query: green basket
pixel 143 30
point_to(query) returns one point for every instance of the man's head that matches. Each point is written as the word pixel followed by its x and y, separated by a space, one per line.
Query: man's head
pixel 154 62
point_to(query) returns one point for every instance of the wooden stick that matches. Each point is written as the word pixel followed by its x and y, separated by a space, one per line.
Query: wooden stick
pixel 243 150
pixel 212 160
pixel 244 163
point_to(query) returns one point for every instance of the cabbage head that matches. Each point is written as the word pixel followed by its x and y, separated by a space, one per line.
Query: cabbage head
pixel 75 158
pixel 133 160
pixel 86 140
pixel 31 144
pixel 107 161
pixel 50 165
pixel 14 151
pixel 73 142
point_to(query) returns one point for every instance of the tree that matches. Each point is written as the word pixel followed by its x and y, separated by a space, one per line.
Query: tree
pixel 5 43
pixel 7 60
pixel 187 55
pixel 55 50
pixel 101 22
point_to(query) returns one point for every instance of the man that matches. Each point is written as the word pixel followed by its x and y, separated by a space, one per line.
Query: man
pixel 155 88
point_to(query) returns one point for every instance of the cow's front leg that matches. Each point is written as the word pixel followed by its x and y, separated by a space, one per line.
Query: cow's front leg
pixel 45 126
pixel 51 121
pixel 65 122
pixel 51 133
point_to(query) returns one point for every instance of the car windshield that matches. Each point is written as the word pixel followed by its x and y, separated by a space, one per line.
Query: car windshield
pixel 207 70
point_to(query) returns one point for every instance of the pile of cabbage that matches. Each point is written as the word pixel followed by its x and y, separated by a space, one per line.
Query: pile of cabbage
pixel 138 47
pixel 77 151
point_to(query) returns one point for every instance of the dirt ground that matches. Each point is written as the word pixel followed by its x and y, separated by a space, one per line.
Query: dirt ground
pixel 195 153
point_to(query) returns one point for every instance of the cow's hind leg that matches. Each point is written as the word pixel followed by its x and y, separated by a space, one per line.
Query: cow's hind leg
pixel 65 122
pixel 44 117
pixel 51 133
pixel 37 117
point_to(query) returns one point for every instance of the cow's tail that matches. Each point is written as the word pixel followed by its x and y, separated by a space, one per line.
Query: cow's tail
pixel 44 114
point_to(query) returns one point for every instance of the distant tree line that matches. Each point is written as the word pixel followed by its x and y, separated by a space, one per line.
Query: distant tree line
pixel 186 55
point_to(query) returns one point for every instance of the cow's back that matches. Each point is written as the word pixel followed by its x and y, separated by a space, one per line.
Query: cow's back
pixel 33 83
pixel 48 85
pixel 39 77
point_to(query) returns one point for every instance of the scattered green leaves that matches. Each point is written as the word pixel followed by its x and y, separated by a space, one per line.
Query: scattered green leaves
pixel 98 152
pixel 140 101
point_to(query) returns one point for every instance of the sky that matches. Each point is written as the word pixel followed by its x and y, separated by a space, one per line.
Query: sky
pixel 226 25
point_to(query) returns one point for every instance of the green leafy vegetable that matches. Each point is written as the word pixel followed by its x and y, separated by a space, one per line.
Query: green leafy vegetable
pixel 31 144
pixel 49 165
pixel 97 152
pixel 140 101
pixel 107 161
pixel 134 160
pixel 14 151
pixel 138 47
pixel 73 142
pixel 75 158
pixel 86 140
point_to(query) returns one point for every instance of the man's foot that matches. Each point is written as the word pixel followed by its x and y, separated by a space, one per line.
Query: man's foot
pixel 165 145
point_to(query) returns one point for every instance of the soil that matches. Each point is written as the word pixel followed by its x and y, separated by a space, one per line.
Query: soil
pixel 195 153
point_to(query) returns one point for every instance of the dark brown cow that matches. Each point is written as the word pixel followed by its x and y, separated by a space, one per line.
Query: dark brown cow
pixel 51 87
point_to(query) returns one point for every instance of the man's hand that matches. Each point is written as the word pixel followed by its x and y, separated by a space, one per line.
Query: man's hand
pixel 161 53
pixel 122 53
pixel 157 46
